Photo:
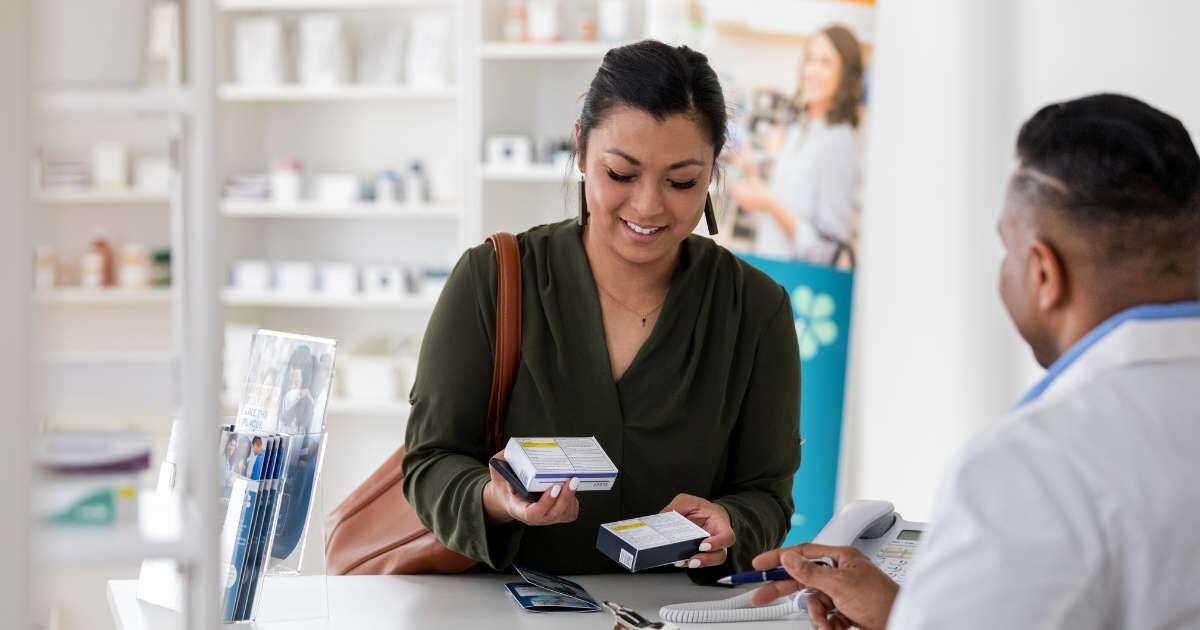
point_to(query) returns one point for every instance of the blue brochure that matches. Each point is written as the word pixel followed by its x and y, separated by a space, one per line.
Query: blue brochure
pixel 541 592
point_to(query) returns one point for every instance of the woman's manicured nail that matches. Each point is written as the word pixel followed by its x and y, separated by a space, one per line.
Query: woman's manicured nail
pixel 705 547
pixel 681 563
pixel 693 563
pixel 555 491
pixel 574 483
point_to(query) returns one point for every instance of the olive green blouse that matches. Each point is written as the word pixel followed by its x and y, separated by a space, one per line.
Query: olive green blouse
pixel 710 405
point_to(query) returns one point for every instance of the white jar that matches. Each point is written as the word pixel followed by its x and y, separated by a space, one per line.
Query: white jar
pixel 134 270
pixel 612 20
pixel 294 277
pixel 286 182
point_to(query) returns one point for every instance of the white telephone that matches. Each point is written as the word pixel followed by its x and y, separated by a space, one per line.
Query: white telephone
pixel 873 527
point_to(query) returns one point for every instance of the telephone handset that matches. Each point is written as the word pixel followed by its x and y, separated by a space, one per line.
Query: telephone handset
pixel 872 527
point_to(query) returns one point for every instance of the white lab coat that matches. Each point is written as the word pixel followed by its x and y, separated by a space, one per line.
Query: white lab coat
pixel 1082 508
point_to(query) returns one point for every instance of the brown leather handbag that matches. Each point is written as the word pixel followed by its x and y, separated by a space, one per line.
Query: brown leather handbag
pixel 375 531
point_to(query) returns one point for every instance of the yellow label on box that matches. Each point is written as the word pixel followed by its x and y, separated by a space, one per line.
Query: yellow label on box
pixel 539 444
pixel 621 528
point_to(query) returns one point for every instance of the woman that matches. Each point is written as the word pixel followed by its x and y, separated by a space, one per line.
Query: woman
pixel 810 209
pixel 679 358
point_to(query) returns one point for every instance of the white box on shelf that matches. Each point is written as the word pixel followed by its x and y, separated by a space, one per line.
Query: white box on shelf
pixel 337 188
pixel 429 52
pixel 258 50
pixel 294 277
pixel 152 175
pixel 251 276
pixel 511 151
pixel 383 281
pixel 322 49
pixel 381 57
pixel 338 279
pixel 110 165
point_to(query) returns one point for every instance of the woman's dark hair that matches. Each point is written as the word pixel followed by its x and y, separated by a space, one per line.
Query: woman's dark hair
pixel 660 80
pixel 849 91
pixel 302 359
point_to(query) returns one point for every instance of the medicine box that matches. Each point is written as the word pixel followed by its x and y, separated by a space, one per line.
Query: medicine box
pixel 541 463
pixel 650 541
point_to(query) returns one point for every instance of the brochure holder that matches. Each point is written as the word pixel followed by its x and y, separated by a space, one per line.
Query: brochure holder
pixel 293 589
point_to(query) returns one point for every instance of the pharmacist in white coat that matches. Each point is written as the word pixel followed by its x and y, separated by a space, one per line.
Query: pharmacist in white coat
pixel 1082 508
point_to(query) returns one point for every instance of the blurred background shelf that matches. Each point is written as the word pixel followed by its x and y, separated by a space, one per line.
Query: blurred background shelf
pixel 108 358
pixel 160 533
pixel 533 173
pixel 561 50
pixel 243 298
pixel 77 296
pixel 390 409
pixel 328 5
pixel 318 210
pixel 232 92
pixel 114 100
pixel 101 197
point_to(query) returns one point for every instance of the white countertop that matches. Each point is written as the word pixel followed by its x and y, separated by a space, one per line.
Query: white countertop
pixel 431 602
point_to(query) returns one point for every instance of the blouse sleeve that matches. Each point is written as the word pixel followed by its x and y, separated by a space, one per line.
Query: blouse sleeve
pixel 764 451
pixel 833 213
pixel 444 473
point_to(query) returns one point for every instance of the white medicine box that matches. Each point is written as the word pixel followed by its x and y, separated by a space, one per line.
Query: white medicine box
pixel 542 462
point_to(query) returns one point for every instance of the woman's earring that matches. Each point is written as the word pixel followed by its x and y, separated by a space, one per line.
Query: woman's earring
pixel 710 216
pixel 583 211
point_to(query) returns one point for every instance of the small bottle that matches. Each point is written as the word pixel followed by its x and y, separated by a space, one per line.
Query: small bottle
pixel 135 267
pixel 161 272
pixel 514 21
pixel 416 185
pixel 97 265
pixel 387 185
pixel 286 182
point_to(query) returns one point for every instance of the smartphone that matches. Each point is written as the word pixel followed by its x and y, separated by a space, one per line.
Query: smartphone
pixel 506 471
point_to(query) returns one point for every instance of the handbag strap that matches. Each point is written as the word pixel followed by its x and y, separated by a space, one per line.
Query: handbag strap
pixel 508 335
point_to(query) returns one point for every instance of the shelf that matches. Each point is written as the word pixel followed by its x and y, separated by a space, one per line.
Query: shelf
pixel 108 358
pixel 101 197
pixel 233 297
pixel 78 296
pixel 131 100
pixel 317 210
pixel 589 51
pixel 327 5
pixel 348 407
pixel 534 173
pixel 284 93
pixel 158 534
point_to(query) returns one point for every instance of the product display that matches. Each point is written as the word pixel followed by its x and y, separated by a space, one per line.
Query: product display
pixel 135 271
pixel 428 59
pixel 514 21
pixel 287 181
pixel 295 277
pixel 96 267
pixel 382 281
pixel 323 58
pixel 509 150
pixel 160 273
pixel 613 19
pixel 89 478
pixel 540 462
pixel 258 51
pixel 381 54
pixel 110 165
pixel 416 184
pixel 387 187
pixel 543 20
pixel 251 276
pixel 337 279
pixel 335 188
pixel 650 541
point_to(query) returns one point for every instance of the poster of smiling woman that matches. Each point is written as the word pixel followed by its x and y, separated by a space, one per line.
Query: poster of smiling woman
pixel 788 199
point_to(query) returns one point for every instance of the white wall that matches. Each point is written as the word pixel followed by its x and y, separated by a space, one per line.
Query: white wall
pixel 936 359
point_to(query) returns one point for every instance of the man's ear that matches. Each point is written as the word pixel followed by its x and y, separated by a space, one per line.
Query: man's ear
pixel 580 158
pixel 1047 275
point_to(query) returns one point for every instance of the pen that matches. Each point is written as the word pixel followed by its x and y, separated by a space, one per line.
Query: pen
pixel 754 577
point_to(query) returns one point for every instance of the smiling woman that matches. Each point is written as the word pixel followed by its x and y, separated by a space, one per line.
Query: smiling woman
pixel 678 357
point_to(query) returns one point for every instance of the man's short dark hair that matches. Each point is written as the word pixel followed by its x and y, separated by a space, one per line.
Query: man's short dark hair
pixel 1123 172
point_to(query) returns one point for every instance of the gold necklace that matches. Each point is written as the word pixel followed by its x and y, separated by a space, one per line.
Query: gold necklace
pixel 625 306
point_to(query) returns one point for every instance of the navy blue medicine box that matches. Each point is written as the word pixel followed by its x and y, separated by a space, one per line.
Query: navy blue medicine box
pixel 650 541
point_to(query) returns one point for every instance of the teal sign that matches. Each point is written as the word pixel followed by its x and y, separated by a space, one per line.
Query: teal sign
pixel 821 299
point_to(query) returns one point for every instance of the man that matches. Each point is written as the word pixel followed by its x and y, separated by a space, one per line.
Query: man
pixel 1082 508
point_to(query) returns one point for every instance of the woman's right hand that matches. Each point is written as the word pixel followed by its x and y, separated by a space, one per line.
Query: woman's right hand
pixel 502 505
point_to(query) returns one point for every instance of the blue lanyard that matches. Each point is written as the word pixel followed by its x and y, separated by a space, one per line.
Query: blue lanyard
pixel 1149 312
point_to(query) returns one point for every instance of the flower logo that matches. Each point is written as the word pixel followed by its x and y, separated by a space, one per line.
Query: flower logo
pixel 814 321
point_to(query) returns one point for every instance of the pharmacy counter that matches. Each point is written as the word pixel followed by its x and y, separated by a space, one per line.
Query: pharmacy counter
pixel 433 602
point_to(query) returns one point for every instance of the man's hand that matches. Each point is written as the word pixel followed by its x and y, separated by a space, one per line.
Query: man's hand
pixel 861 594
pixel 713 519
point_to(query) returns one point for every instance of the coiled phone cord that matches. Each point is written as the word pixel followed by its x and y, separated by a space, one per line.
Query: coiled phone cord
pixel 734 609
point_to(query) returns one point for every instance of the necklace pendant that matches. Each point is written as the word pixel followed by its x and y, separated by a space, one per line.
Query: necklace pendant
pixel 643 322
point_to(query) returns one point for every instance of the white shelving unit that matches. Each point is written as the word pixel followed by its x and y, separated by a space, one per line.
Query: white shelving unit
pixel 98 100
pixel 389 409
pixel 102 197
pixel 233 6
pixel 85 297
pixel 404 302
pixel 533 173
pixel 587 51
pixel 292 93
pixel 359 210
pixel 159 533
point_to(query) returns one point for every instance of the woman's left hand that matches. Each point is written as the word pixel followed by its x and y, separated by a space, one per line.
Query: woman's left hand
pixel 715 520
